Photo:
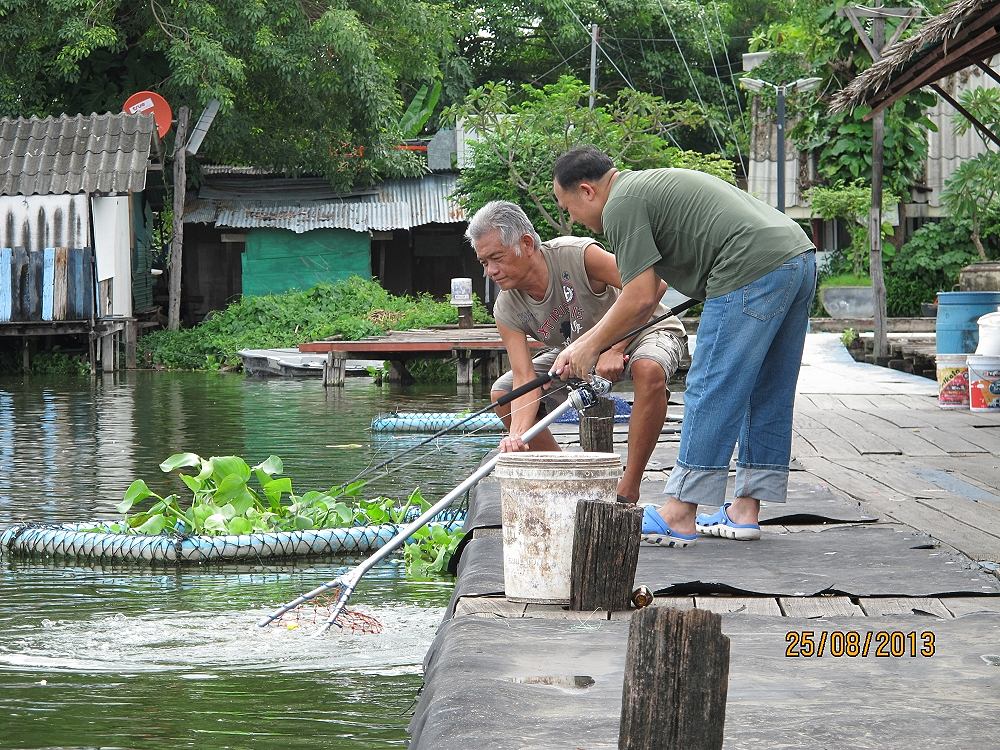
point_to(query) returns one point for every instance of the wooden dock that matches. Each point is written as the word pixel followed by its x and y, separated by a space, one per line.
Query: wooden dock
pixel 479 346
pixel 921 555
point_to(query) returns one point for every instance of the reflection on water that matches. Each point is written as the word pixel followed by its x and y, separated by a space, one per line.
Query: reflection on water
pixel 126 656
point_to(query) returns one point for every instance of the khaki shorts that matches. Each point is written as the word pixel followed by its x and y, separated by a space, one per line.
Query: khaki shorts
pixel 662 347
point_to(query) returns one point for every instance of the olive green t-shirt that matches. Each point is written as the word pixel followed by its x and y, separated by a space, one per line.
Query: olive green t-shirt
pixel 703 236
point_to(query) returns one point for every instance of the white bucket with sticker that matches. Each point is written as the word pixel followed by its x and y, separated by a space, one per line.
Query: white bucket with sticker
pixel 953 381
pixel 539 492
pixel 984 383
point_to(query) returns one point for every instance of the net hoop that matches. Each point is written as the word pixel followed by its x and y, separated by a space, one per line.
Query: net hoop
pixel 70 541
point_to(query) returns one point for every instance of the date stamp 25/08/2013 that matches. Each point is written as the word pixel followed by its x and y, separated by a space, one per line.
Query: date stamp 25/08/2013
pixel 863 643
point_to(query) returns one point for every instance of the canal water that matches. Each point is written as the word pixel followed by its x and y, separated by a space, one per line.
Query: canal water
pixel 168 657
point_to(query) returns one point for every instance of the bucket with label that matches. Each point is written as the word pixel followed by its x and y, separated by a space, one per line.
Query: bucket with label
pixel 984 383
pixel 953 381
pixel 538 496
pixel 989 334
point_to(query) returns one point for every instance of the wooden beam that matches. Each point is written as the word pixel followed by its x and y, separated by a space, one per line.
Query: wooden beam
pixel 981 127
pixel 177 241
pixel 916 76
pixel 981 64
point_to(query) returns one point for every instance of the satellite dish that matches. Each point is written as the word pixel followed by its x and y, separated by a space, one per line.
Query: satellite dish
pixel 149 102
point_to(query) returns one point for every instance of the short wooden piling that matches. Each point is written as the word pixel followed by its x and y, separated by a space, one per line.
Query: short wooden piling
pixel 597 427
pixel 605 553
pixel 676 681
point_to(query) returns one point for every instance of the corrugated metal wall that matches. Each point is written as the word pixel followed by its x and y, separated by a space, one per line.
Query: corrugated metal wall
pixel 277 260
pixel 36 222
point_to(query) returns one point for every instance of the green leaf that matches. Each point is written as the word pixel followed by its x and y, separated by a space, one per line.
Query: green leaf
pixel 216 522
pixel 228 511
pixel 271 466
pixel 154 525
pixel 420 110
pixel 303 522
pixel 193 483
pixel 231 487
pixel 244 503
pixel 136 492
pixel 276 487
pixel 240 526
pixel 180 460
pixel 227 466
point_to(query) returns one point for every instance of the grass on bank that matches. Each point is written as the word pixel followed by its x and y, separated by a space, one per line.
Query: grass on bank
pixel 349 309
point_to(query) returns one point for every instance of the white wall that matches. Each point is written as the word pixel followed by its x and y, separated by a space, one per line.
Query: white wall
pixel 113 249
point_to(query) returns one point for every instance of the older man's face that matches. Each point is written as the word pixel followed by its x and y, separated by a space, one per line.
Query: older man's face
pixel 502 264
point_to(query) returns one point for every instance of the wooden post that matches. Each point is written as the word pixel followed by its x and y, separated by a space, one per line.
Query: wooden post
pixel 177 242
pixel 335 369
pixel 605 553
pixel 875 45
pixel 676 681
pixel 597 427
pixel 131 342
pixel 26 355
pixel 465 317
pixel 464 367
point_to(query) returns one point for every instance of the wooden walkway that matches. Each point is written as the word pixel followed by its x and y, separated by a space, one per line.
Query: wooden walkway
pixel 479 345
pixel 876 436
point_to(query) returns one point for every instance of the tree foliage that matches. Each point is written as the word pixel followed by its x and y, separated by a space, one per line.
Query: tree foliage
pixel 522 131
pixel 814 40
pixel 303 85
pixel 680 50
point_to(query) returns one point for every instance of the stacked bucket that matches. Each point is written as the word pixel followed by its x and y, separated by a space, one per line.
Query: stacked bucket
pixel 968 351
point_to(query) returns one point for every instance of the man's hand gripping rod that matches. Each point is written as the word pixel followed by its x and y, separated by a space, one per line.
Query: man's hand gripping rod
pixel 583 395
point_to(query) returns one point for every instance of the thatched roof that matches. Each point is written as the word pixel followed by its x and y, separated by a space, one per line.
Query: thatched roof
pixel 965 33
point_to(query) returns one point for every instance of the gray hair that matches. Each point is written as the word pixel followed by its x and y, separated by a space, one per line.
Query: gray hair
pixel 506 218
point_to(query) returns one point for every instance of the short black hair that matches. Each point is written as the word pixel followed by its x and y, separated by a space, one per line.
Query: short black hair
pixel 579 164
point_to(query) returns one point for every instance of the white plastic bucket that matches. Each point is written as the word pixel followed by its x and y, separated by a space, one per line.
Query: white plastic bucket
pixel 989 334
pixel 953 381
pixel 984 383
pixel 461 292
pixel 539 492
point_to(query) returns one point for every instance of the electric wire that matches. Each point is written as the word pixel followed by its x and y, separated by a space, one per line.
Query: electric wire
pixel 722 93
pixel 697 92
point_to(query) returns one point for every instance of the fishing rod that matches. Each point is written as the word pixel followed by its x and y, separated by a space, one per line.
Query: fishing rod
pixel 526 388
pixel 583 395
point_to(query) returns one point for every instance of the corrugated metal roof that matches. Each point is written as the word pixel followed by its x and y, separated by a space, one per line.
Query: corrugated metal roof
pixel 395 204
pixel 94 153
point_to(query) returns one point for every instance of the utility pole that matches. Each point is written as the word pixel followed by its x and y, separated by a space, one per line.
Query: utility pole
pixel 177 242
pixel 875 45
pixel 594 31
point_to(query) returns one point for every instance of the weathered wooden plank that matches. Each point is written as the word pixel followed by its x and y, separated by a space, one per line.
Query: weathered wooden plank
pixel 825 402
pixel 975 515
pixel 947 441
pixel 31 285
pixel 984 469
pixel 48 281
pixel 859 487
pixel 819 606
pixel 488 606
pixel 60 267
pixel 959 606
pixel 672 602
pixel 900 437
pixel 879 607
pixel 6 285
pixel 605 552
pixel 801 446
pixel 892 475
pixel 897 415
pixel 827 443
pixel 87 277
pixel 750 605
pixel 559 612
pixel 864 440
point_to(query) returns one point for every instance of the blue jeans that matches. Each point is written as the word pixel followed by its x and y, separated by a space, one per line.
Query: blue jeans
pixel 741 388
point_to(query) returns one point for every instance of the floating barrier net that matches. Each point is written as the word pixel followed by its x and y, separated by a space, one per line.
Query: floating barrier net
pixel 434 422
pixel 80 541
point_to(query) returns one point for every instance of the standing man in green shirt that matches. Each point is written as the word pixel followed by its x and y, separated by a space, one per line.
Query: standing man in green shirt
pixel 756 271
